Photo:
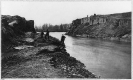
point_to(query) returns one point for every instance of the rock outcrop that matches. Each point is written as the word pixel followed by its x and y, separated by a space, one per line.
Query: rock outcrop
pixel 13 27
pixel 112 26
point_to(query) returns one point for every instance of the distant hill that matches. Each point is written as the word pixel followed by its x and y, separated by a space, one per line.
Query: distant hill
pixel 112 26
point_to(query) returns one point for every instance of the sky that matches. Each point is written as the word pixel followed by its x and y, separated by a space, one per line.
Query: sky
pixel 61 12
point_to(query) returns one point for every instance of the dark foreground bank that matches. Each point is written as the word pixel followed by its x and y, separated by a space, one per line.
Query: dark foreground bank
pixel 36 57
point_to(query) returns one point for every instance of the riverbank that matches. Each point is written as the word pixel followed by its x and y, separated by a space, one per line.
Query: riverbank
pixel 123 39
pixel 35 57
pixel 115 27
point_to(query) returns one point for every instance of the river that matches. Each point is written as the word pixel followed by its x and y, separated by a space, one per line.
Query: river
pixel 108 59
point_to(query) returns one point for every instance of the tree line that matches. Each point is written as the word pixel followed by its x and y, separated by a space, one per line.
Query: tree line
pixel 53 28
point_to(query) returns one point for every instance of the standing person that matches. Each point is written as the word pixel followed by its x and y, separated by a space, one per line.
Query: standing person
pixel 42 34
pixel 47 35
pixel 62 39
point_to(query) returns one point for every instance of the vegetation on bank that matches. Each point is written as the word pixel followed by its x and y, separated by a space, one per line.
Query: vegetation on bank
pixel 53 28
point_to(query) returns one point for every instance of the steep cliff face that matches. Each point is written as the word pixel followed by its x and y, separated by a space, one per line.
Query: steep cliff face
pixel 19 22
pixel 13 27
pixel 113 26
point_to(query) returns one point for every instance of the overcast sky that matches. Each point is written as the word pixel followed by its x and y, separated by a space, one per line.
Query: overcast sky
pixel 61 12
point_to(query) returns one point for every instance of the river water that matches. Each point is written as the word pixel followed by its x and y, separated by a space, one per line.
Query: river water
pixel 108 59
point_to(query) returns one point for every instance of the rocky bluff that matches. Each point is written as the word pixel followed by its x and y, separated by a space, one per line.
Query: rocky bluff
pixel 13 27
pixel 113 26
